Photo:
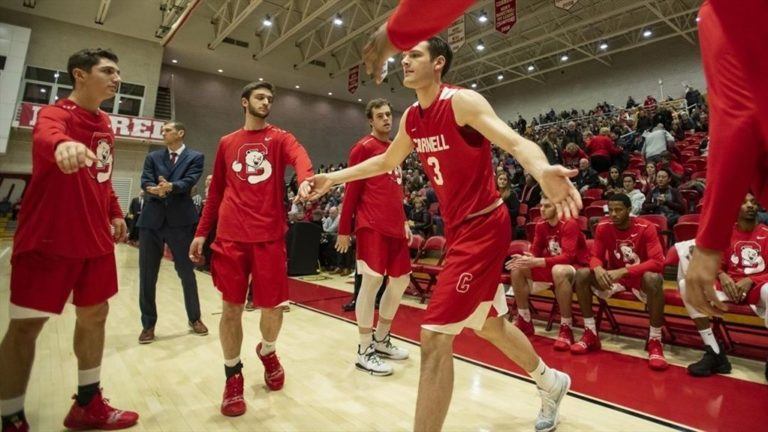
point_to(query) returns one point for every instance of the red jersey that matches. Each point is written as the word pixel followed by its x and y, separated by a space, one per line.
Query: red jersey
pixel 434 15
pixel 457 159
pixel 746 255
pixel 563 243
pixel 637 248
pixel 375 202
pixel 247 192
pixel 69 214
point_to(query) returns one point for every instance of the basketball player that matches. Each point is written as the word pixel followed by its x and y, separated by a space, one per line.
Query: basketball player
pixel 245 203
pixel 743 279
pixel 450 129
pixel 626 255
pixel 558 249
pixel 64 244
pixel 376 204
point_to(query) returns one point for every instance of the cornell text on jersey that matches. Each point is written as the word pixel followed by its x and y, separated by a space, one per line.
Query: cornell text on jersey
pixel 431 144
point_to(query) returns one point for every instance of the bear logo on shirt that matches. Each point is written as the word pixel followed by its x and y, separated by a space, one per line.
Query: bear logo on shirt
pixel 625 251
pixel 251 163
pixel 749 257
pixel 554 247
pixel 396 175
pixel 101 146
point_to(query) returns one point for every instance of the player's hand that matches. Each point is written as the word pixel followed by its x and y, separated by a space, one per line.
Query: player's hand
pixel 729 287
pixel 376 52
pixel 700 282
pixel 319 184
pixel 617 274
pixel 524 261
pixel 603 279
pixel 304 189
pixel 408 232
pixel 119 230
pixel 556 183
pixel 71 156
pixel 742 288
pixel 196 250
pixel 342 243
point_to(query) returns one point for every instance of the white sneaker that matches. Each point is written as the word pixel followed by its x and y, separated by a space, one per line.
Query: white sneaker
pixel 369 361
pixel 385 348
pixel 550 403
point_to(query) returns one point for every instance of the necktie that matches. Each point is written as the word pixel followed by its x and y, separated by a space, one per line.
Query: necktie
pixel 173 158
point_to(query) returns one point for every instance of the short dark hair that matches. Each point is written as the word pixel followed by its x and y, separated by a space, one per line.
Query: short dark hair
pixel 666 170
pixel 179 126
pixel 376 103
pixel 631 176
pixel 622 198
pixel 87 58
pixel 250 87
pixel 439 47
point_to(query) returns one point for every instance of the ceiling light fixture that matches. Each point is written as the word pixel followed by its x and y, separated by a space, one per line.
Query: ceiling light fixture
pixel 500 77
pixel 531 68
pixel 267 21
pixel 174 61
pixel 480 45
pixel 564 57
pixel 483 18
pixel 474 85
pixel 297 86
pixel 221 70
pixel 337 21
pixel 603 46
pixel 648 33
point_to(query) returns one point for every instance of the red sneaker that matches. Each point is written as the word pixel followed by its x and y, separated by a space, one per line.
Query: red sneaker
pixel 525 326
pixel 656 360
pixel 564 338
pixel 99 415
pixel 233 404
pixel 274 375
pixel 17 425
pixel 589 342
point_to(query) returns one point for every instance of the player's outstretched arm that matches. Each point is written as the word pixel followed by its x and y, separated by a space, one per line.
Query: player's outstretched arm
pixel 398 150
pixel 472 109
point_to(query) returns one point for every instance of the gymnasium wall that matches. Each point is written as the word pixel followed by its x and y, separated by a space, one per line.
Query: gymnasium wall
pixel 582 86
pixel 52 42
pixel 209 106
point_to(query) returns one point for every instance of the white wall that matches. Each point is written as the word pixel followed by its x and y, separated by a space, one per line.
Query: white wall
pixel 635 73
pixel 52 42
pixel 14 42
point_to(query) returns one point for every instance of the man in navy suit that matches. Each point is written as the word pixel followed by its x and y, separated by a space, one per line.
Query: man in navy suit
pixel 169 217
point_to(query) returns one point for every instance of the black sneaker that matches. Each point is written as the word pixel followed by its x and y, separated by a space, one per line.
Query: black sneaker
pixel 349 307
pixel 710 364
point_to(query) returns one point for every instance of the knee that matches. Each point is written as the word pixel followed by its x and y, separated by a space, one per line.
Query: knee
pixel 492 329
pixel 562 273
pixel 26 329
pixel 231 311
pixel 583 279
pixel 372 282
pixel 653 282
pixel 93 315
pixel 433 343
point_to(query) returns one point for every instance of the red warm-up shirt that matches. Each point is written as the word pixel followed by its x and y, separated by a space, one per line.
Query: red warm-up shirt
pixel 563 243
pixel 375 202
pixel 746 255
pixel 433 16
pixel 246 196
pixel 638 248
pixel 602 145
pixel 69 214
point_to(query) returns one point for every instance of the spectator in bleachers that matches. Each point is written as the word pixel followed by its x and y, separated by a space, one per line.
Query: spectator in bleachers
pixel 702 124
pixel 635 195
pixel 631 103
pixel 331 222
pixel 643 122
pixel 602 149
pixel 742 280
pixel 648 177
pixel 657 142
pixel 419 218
pixel 571 155
pixel 686 123
pixel 531 193
pixel 626 255
pixel 677 131
pixel 650 103
pixel 692 97
pixel 676 170
pixel 551 147
pixel 664 199
pixel 574 135
pixel 587 177
pixel 614 183
pixel 509 196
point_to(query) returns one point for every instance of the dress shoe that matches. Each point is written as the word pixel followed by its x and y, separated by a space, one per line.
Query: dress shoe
pixel 349 307
pixel 198 328
pixel 147 336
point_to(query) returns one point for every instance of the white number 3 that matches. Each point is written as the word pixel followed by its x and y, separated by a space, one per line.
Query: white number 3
pixel 435 164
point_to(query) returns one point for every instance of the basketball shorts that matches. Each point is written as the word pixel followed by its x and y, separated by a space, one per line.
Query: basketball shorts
pixel 541 278
pixel 263 266
pixel 379 254
pixel 42 283
pixel 627 283
pixel 468 291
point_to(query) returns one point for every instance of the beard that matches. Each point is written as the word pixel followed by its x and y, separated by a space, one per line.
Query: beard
pixel 253 112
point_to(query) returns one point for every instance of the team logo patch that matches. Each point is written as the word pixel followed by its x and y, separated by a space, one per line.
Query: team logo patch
pixel 251 164
pixel 102 146
pixel 625 251
pixel 748 256
pixel 554 246
pixel 396 175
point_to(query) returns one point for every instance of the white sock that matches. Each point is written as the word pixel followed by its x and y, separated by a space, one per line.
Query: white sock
pixel 232 362
pixel 655 333
pixel 88 376
pixel 382 330
pixel 525 314
pixel 267 347
pixel 11 406
pixel 566 321
pixel 709 339
pixel 544 376
pixel 366 339
pixel 589 323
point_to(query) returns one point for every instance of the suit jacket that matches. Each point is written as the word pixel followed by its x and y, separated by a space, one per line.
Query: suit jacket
pixel 176 208
pixel 135 207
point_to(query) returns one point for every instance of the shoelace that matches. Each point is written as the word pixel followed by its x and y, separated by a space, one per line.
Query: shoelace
pixel 372 357
pixel 547 404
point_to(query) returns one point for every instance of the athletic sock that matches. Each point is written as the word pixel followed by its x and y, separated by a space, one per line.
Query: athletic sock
pixel 267 347
pixel 87 385
pixel 709 339
pixel 525 314
pixel 544 376
pixel 232 367
pixel 13 418
pixel 382 330
pixel 12 410
pixel 566 321
pixel 655 333
pixel 589 323
pixel 365 340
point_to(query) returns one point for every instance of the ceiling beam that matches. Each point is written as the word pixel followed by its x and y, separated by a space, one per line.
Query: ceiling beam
pixel 101 14
pixel 230 15
pixel 671 25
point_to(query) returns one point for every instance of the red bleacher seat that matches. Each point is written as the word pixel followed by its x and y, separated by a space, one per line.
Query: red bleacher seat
pixel 595 193
pixel 685 230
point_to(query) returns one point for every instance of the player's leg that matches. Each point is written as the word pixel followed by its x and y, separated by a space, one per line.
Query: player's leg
pixel 653 287
pixel 435 380
pixel 270 294
pixel 585 280
pixel 17 354
pixel 563 277
pixel 367 359
pixel 399 271
pixel 520 279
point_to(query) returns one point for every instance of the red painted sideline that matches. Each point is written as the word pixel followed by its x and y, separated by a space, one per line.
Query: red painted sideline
pixel 712 404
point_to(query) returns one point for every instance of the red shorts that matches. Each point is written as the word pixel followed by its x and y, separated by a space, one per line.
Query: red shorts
pixel 381 254
pixel 264 263
pixel 468 290
pixel 45 282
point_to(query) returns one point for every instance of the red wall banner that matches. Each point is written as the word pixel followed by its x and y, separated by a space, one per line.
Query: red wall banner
pixel 506 15
pixel 354 79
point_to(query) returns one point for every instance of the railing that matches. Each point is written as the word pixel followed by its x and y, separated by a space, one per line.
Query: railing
pixel 677 104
